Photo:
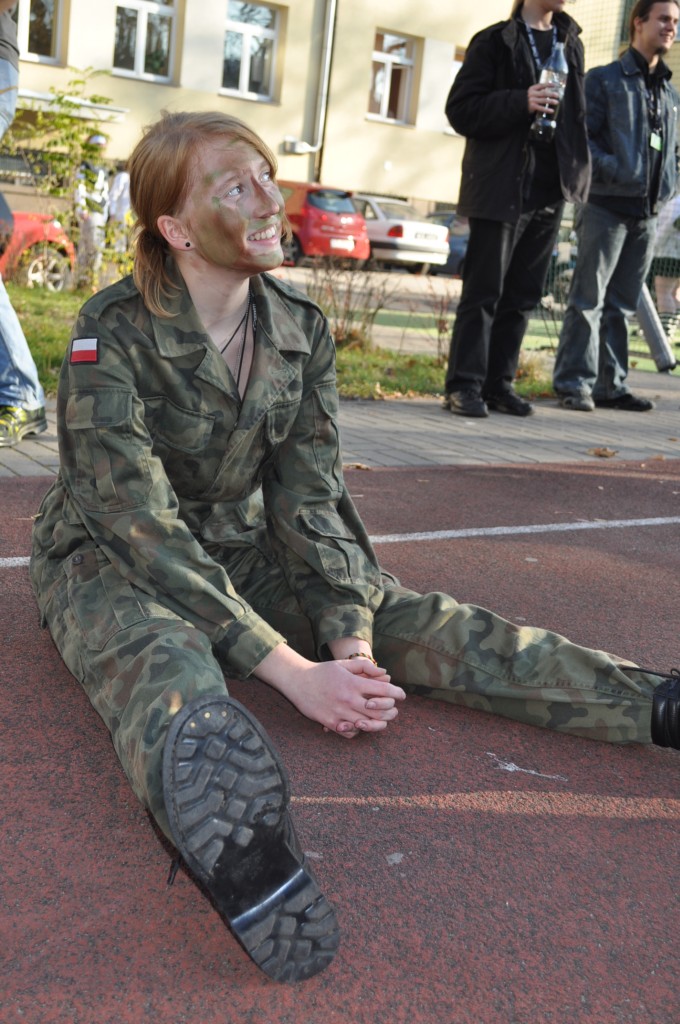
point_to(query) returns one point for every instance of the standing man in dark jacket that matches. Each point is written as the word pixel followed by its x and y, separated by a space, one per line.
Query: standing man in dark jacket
pixel 513 193
pixel 632 132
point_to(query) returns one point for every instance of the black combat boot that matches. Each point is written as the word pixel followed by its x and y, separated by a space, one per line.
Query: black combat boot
pixel 226 795
pixel 666 712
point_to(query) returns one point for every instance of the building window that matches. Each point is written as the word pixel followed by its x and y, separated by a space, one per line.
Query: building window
pixel 391 77
pixel 144 36
pixel 38 23
pixel 250 50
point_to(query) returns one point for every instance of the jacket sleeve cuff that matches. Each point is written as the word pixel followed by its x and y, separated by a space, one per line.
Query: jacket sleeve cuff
pixel 246 643
pixel 357 623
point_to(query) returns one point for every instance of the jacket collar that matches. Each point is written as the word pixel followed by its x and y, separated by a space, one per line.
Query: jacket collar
pixel 182 331
pixel 632 64
pixel 278 332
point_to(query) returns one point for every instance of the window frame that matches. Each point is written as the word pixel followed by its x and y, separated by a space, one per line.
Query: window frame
pixel 248 32
pixel 23 19
pixel 391 63
pixel 144 8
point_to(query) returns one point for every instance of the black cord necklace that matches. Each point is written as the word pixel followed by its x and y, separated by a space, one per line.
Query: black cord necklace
pixel 242 325
pixel 242 349
pixel 238 328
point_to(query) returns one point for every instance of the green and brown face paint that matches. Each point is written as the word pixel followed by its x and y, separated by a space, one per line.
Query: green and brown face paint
pixel 235 208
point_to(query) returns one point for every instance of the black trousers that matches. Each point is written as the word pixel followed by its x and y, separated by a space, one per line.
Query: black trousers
pixel 505 271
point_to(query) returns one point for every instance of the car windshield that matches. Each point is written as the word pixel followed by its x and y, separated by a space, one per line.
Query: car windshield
pixel 399 211
pixel 331 200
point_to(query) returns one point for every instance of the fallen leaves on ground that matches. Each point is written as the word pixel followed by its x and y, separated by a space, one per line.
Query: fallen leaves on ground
pixel 603 453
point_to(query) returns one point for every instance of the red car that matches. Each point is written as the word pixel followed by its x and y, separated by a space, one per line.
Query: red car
pixel 37 251
pixel 324 223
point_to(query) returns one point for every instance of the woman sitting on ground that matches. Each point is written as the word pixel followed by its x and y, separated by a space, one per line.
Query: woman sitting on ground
pixel 200 526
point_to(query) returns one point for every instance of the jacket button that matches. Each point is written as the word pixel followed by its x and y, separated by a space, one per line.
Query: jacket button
pixel 78 559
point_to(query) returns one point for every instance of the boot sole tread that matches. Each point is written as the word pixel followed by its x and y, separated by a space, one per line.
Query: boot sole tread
pixel 226 796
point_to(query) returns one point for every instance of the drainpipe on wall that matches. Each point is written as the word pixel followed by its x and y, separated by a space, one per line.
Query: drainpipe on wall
pixel 299 147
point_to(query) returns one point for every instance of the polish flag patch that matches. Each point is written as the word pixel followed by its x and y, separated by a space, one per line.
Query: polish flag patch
pixel 84 350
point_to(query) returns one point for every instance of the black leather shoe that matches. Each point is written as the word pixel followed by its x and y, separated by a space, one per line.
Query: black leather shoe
pixel 629 401
pixel 509 402
pixel 226 794
pixel 16 423
pixel 666 712
pixel 466 403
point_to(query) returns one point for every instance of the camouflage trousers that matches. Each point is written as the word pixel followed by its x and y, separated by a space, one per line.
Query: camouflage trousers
pixel 139 662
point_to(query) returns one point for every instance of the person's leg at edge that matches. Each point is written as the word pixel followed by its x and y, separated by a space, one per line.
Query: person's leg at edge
pixel 601 236
pixel 621 300
pixel 19 383
pixel 20 388
pixel 22 401
pixel 9 92
pixel 666 288
pixel 522 291
pixel 486 261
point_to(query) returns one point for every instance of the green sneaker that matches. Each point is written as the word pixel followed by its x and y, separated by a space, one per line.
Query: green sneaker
pixel 16 423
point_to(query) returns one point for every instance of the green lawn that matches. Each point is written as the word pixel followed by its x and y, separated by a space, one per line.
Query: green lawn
pixel 542 335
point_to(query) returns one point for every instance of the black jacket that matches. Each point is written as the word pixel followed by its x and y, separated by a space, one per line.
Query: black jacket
pixel 487 104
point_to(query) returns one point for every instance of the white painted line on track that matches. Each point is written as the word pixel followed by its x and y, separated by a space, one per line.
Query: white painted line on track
pixel 550 804
pixel 511 531
pixel 482 531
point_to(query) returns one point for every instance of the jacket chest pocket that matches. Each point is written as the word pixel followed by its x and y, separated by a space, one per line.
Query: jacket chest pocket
pixel 184 441
pixel 277 426
pixel 250 451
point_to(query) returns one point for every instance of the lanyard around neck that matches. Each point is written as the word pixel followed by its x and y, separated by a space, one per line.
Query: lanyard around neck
pixel 534 49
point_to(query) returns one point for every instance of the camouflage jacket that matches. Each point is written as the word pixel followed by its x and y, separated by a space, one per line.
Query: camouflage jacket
pixel 169 475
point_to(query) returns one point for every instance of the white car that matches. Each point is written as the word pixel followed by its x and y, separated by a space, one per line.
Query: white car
pixel 400 236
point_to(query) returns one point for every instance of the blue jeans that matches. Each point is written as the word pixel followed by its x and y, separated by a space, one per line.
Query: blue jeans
pixel 614 256
pixel 19 384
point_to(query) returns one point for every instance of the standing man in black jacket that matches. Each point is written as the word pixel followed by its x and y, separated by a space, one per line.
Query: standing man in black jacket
pixel 513 193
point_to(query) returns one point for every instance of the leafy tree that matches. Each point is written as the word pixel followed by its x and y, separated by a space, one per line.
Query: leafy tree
pixel 52 142
pixel 52 139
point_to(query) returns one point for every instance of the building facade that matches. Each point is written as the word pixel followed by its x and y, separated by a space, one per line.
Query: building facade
pixel 345 92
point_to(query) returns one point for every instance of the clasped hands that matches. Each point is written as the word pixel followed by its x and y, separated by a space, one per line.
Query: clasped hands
pixel 346 696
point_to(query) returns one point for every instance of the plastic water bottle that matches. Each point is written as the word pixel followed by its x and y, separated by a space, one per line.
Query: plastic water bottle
pixel 555 73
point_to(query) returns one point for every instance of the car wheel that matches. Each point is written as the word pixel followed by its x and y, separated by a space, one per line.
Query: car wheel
pixel 371 263
pixel 292 252
pixel 43 266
